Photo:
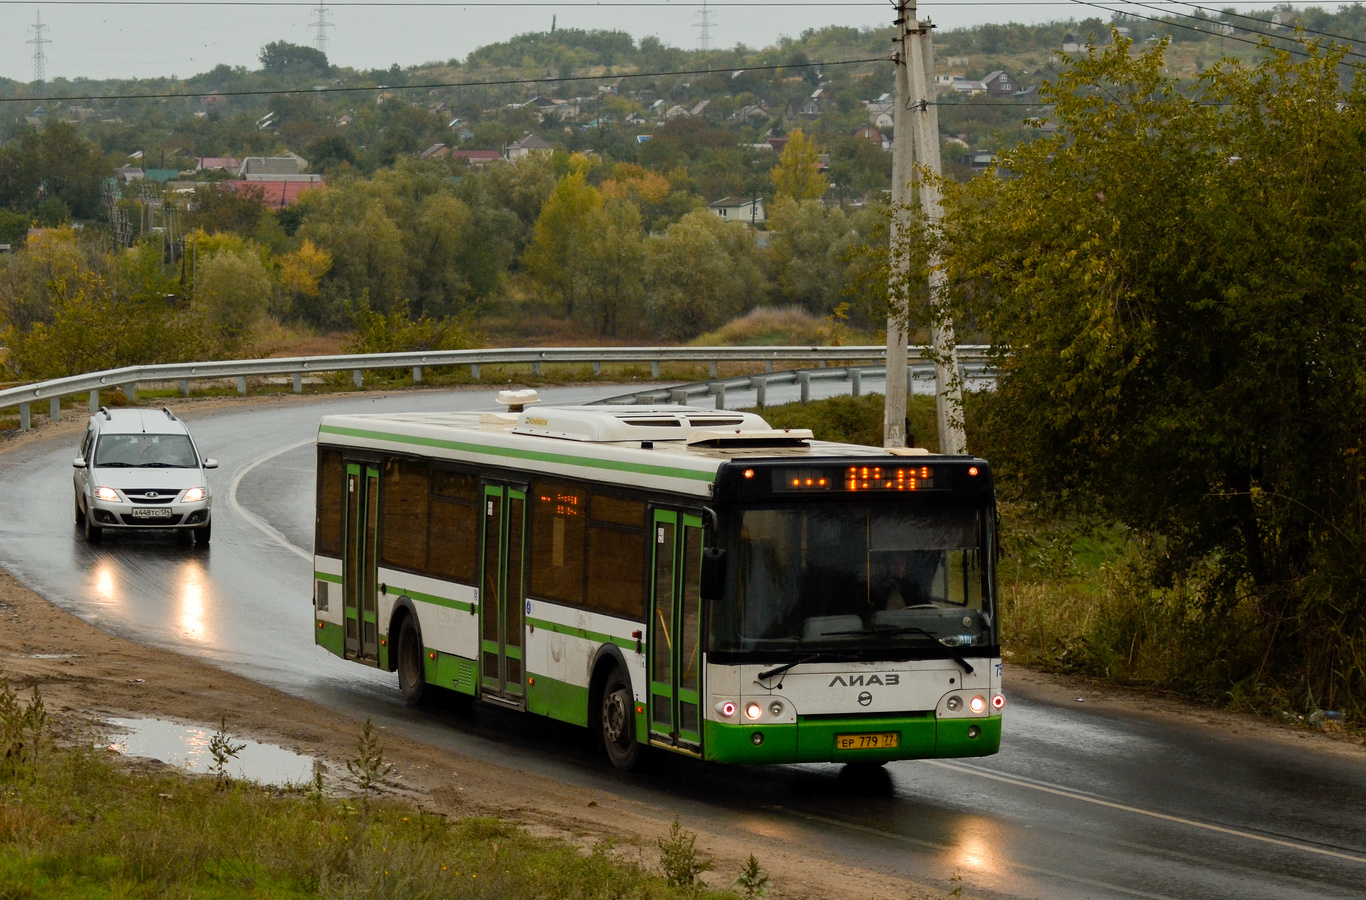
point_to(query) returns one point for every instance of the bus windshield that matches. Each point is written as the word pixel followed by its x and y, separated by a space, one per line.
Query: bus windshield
pixel 873 580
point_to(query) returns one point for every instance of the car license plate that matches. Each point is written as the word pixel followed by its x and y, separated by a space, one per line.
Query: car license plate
pixel 151 512
pixel 867 741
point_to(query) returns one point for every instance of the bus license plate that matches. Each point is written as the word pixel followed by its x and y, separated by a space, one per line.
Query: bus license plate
pixel 151 513
pixel 867 741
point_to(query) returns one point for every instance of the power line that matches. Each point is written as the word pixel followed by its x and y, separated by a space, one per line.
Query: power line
pixel 333 89
pixel 1234 15
pixel 610 4
pixel 1241 40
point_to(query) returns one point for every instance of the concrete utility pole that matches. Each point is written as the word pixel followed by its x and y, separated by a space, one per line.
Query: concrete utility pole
pixel 917 113
pixel 948 390
pixel 903 171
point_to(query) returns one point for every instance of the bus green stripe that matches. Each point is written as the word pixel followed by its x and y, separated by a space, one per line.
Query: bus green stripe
pixel 447 602
pixel 573 631
pixel 327 576
pixel 528 455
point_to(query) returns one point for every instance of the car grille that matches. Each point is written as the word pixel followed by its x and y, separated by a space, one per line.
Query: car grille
pixel 152 495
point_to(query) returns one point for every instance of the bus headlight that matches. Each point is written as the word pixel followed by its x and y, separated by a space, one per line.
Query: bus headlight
pixel 775 709
pixel 954 704
pixel 978 704
pixel 753 710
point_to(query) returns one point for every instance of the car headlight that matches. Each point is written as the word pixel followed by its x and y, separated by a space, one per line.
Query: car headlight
pixel 194 494
pixel 107 494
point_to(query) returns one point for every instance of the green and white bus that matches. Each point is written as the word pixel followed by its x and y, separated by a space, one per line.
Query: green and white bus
pixel 669 577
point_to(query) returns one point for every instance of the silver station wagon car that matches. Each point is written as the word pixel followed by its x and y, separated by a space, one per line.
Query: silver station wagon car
pixel 139 468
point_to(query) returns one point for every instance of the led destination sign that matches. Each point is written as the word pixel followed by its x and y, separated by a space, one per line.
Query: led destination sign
pixel 857 478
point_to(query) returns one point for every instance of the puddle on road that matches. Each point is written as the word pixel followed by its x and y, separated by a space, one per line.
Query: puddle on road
pixel 187 747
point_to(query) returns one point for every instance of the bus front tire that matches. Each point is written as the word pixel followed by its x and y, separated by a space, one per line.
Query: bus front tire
pixel 412 683
pixel 618 721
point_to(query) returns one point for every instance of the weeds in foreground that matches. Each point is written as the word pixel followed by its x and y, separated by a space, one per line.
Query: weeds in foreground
pixel 223 751
pixel 368 769
pixel 753 880
pixel 679 859
pixel 22 731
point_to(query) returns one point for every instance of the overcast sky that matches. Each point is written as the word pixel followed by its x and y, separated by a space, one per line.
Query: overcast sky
pixel 106 39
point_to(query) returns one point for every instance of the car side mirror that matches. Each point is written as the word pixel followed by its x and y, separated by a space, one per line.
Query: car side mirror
pixel 210 463
pixel 78 462
pixel 713 581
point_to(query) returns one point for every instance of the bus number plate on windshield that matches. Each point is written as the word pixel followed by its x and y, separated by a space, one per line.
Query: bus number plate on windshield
pixel 867 741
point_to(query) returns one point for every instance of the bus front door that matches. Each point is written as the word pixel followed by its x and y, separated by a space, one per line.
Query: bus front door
pixel 359 597
pixel 502 593
pixel 675 631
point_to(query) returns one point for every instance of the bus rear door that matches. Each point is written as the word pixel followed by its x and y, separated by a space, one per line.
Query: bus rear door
pixel 359 547
pixel 502 593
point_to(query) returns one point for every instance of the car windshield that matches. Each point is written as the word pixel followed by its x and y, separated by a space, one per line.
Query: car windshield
pixel 859 580
pixel 170 451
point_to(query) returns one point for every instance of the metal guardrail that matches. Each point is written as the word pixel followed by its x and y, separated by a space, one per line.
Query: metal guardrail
pixel 973 370
pixel 127 379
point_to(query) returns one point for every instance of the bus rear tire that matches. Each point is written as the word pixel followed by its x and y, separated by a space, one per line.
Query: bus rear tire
pixel 412 683
pixel 618 719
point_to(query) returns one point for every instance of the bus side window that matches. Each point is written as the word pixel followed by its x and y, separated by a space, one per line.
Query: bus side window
pixel 558 539
pixel 616 556
pixel 403 510
pixel 331 488
pixel 453 527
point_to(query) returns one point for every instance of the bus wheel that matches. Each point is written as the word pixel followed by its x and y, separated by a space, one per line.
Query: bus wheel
pixel 412 683
pixel 618 720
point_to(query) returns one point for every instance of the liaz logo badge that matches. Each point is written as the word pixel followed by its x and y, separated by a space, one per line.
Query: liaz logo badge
pixel 866 680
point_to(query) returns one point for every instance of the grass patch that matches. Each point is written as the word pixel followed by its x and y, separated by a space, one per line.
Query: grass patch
pixel 783 326
pixel 85 823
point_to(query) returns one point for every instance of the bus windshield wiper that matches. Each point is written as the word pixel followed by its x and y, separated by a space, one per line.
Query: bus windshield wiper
pixel 911 629
pixel 778 670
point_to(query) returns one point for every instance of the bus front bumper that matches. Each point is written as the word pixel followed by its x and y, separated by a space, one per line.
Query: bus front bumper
pixel 852 740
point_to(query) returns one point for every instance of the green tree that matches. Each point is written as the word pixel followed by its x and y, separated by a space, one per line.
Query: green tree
pixel 797 174
pixel 701 273
pixel 232 291
pixel 284 58
pixel 809 251
pixel 1178 280
pixel 561 254
pixel 615 289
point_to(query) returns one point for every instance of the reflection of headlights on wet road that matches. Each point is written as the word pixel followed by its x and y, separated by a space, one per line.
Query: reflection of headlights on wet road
pixel 104 583
pixel 192 603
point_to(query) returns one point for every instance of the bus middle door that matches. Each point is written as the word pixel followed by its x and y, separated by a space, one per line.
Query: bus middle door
pixel 502 593
pixel 359 549
pixel 675 631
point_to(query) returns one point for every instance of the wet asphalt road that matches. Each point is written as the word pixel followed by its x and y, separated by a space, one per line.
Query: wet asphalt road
pixel 1079 803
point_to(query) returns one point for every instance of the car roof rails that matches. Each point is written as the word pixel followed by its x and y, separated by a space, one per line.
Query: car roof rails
pixel 170 415
pixel 107 415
